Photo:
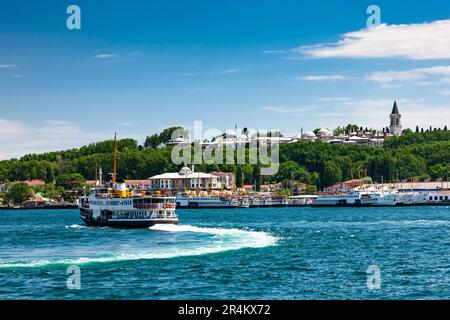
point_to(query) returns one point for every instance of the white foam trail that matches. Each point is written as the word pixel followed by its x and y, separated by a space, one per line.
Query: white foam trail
pixel 224 240
pixel 215 231
pixel 75 226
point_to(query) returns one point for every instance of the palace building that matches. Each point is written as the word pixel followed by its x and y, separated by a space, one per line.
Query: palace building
pixel 188 179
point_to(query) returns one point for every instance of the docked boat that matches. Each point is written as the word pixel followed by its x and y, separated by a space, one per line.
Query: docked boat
pixel 269 201
pixel 205 201
pixel 379 199
pixel 338 200
pixel 439 197
pixel 186 201
pixel 419 199
pixel 115 205
pixel 412 199
pixel 301 201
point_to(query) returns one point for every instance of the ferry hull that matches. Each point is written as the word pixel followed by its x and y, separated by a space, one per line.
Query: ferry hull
pixel 129 224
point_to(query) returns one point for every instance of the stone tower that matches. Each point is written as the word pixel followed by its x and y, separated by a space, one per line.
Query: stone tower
pixel 396 121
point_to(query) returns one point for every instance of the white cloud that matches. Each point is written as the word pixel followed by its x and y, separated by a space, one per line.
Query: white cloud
pixel 205 90
pixel 7 66
pixel 228 71
pixel 334 77
pixel 8 127
pixel 411 41
pixel 273 51
pixel 333 99
pixel 443 92
pixel 419 76
pixel 18 138
pixel 189 74
pixel 106 56
pixel 215 73
pixel 445 80
pixel 288 109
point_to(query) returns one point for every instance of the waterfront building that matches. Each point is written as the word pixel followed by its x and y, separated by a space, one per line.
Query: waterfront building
pixel 346 186
pixel 35 203
pixel 417 186
pixel 226 180
pixel 34 183
pixel 188 179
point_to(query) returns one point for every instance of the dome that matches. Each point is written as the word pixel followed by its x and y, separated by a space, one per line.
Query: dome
pixel 185 171
pixel 241 137
pixel 309 135
pixel 324 132
pixel 231 134
pixel 179 139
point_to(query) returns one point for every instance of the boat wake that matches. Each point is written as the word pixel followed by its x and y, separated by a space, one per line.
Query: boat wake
pixel 75 226
pixel 220 240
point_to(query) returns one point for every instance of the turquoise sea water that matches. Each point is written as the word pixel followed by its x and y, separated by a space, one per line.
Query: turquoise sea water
pixel 277 253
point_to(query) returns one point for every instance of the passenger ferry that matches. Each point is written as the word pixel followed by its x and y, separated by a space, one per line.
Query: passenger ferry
pixel 266 201
pixel 379 199
pixel 412 199
pixel 338 200
pixel 371 198
pixel 117 206
pixel 439 197
pixel 185 201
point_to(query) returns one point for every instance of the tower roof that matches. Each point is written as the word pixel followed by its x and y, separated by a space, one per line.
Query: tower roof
pixel 395 108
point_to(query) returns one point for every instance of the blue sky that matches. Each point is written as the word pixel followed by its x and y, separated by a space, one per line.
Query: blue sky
pixel 136 67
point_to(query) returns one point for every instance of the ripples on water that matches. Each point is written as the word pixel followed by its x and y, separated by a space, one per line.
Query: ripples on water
pixel 279 253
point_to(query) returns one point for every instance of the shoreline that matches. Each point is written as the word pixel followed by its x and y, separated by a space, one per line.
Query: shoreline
pixel 41 208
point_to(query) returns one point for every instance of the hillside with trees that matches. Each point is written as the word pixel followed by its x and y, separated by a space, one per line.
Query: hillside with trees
pixel 414 155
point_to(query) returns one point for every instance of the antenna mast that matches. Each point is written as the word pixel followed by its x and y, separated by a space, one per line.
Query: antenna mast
pixel 114 175
pixel 96 170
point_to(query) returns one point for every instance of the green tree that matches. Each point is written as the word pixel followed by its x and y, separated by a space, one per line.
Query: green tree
pixel 439 171
pixel 19 192
pixel 331 174
pixel 310 189
pixel 70 181
pixel 165 136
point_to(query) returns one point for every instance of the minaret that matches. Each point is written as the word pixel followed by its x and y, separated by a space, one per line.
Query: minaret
pixel 396 124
